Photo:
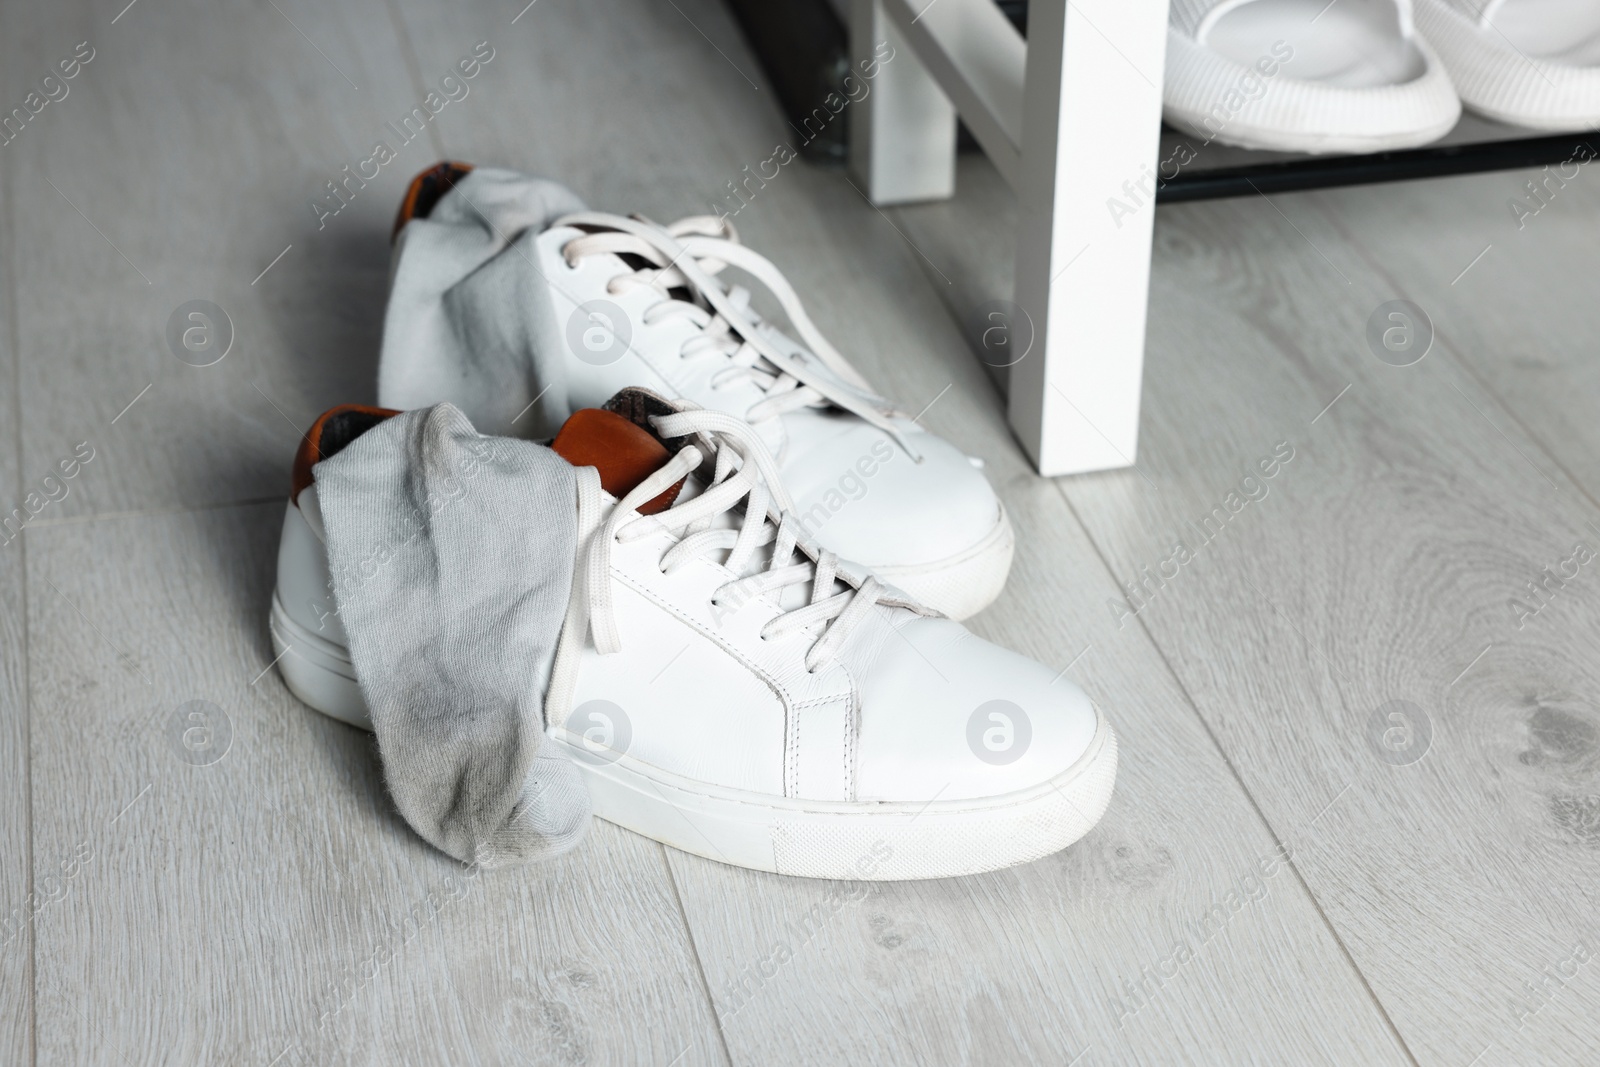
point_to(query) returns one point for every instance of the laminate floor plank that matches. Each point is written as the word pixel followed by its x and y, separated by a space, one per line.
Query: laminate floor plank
pixel 1345 626
pixel 245 892
pixel 1506 277
pixel 181 165
pixel 1390 561
pixel 20 899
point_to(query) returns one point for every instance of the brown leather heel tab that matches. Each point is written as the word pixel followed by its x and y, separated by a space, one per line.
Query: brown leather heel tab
pixel 333 429
pixel 624 454
pixel 425 190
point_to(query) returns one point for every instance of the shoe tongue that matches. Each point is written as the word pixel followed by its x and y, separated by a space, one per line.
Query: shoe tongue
pixel 622 451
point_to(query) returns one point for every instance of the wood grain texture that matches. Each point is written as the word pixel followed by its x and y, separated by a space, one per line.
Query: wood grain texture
pixel 967 250
pixel 181 163
pixel 657 112
pixel 1379 565
pixel 1522 319
pixel 272 899
pixel 16 867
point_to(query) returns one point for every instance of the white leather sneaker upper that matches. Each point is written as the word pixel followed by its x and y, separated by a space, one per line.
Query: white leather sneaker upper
pixel 702 628
pixel 565 315
pixel 877 492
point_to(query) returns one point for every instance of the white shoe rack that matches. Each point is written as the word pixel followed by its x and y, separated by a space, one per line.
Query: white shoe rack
pixel 1072 117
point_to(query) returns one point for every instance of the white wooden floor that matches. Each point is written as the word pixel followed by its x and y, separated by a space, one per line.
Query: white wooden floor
pixel 272 908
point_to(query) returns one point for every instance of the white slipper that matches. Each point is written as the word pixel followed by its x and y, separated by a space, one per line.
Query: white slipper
pixel 1305 75
pixel 1533 63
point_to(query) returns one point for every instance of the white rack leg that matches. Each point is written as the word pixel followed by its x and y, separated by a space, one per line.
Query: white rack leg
pixel 1091 125
pixel 903 135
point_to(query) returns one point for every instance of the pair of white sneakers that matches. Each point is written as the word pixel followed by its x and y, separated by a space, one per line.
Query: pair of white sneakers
pixel 724 680
pixel 1374 75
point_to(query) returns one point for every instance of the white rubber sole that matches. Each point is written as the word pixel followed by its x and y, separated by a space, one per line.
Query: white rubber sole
pixel 1577 125
pixel 316 670
pixel 805 838
pixel 960 586
pixel 868 842
pixel 1538 85
pixel 1242 135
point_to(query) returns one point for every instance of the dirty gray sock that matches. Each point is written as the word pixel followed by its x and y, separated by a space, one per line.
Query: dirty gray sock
pixel 470 319
pixel 452 560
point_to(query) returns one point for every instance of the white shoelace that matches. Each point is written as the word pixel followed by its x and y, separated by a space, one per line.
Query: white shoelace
pixel 744 471
pixel 686 255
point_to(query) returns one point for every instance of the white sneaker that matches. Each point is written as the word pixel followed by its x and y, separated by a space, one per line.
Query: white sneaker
pixel 516 305
pixel 1533 63
pixel 1305 75
pixel 734 692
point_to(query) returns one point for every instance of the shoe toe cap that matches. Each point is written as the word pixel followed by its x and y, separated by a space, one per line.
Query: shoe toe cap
pixel 946 715
pixel 866 499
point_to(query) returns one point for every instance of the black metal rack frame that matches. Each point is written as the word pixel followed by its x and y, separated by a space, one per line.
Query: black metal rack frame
pixel 1432 161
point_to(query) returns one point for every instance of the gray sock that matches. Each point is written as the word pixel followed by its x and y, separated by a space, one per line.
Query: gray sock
pixel 470 318
pixel 452 558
